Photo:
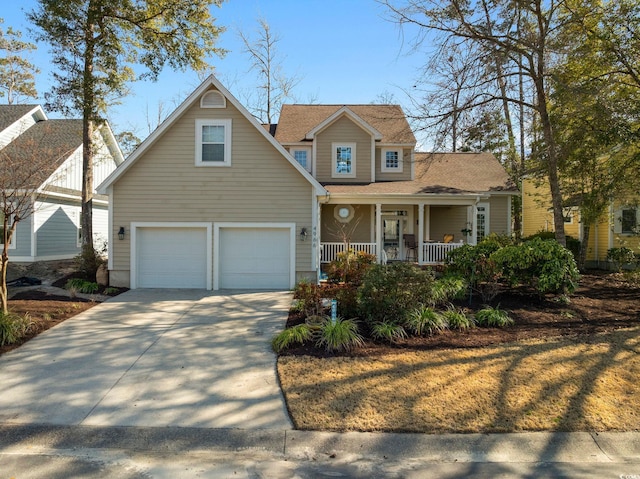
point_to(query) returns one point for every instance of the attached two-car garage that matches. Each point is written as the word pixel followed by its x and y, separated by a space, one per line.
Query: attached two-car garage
pixel 222 256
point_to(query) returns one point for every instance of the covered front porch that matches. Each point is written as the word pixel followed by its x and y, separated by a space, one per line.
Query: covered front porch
pixel 401 230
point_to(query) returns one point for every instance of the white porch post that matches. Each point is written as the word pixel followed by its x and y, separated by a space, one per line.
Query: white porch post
pixel 379 231
pixel 474 223
pixel 420 232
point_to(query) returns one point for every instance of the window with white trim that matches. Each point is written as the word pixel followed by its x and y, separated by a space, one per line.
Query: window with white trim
pixel 302 156
pixel 629 219
pixel 12 243
pixel 343 161
pixel 391 160
pixel 213 142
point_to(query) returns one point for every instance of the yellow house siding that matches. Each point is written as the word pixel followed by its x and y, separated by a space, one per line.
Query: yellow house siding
pixel 536 202
pixel 164 185
pixel 343 130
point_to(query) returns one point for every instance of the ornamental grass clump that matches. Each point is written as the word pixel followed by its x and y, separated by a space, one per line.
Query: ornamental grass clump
pixel 13 327
pixel 388 331
pixel 425 320
pixel 339 335
pixel 457 319
pixel 493 317
pixel 291 336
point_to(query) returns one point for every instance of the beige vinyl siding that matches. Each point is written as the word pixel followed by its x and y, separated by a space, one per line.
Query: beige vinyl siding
pixel 447 220
pixel 358 230
pixel 343 130
pixel 390 176
pixel 498 215
pixel 164 185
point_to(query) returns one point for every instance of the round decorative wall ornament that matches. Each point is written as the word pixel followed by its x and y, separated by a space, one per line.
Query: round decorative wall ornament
pixel 343 213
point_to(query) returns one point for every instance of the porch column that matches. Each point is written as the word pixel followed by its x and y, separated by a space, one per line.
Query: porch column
pixel 379 232
pixel 474 224
pixel 420 233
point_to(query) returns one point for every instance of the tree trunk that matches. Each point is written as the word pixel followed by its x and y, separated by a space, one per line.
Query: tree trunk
pixel 584 246
pixel 552 159
pixel 88 97
pixel 4 295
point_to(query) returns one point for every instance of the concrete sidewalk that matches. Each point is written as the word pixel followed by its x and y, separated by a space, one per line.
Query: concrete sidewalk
pixel 110 452
pixel 183 358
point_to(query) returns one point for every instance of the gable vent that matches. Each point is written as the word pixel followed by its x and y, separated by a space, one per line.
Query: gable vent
pixel 213 99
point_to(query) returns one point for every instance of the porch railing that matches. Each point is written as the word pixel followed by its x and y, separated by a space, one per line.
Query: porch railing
pixel 432 253
pixel 329 251
pixel 435 253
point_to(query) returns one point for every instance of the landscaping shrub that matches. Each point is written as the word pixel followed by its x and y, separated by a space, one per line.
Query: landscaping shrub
pixel 388 331
pixel 391 292
pixel 13 327
pixel 493 317
pixel 475 263
pixel 457 319
pixel 341 335
pixel 78 285
pixel 543 264
pixel 308 297
pixel 349 267
pixel 298 334
pixel 621 256
pixel 425 320
pixel 573 244
pixel 448 288
pixel 347 297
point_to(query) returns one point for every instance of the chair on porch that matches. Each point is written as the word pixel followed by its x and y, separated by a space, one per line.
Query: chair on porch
pixel 411 247
pixel 448 238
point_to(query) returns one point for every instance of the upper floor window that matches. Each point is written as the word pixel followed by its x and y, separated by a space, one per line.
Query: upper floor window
pixel 302 156
pixel 213 142
pixel 344 160
pixel 391 160
pixel 629 221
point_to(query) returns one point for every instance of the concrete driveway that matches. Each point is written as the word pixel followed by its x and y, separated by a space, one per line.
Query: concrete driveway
pixel 185 358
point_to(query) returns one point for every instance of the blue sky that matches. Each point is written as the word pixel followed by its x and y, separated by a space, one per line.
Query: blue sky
pixel 345 51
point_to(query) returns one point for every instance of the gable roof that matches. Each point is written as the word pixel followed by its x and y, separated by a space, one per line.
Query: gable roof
pixel 441 173
pixel 9 114
pixel 50 141
pixel 298 121
pixel 211 81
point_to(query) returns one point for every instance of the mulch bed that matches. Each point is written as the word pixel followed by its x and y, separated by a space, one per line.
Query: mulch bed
pixel 603 302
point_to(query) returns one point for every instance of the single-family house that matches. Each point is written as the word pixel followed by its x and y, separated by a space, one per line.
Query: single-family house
pixel 213 199
pixel 618 227
pixel 53 229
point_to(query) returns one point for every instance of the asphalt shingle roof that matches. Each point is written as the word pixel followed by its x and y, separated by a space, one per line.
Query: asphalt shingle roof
pixel 47 144
pixel 440 173
pixel 9 114
pixel 297 120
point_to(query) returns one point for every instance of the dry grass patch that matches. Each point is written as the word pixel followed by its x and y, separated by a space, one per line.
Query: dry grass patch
pixel 558 384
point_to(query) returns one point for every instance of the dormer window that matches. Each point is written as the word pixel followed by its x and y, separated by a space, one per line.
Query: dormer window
pixel 343 162
pixel 391 160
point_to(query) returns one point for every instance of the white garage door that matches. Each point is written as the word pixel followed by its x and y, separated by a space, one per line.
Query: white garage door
pixel 171 257
pixel 255 258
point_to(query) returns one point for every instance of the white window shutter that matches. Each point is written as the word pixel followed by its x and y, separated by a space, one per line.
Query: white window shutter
pixel 617 220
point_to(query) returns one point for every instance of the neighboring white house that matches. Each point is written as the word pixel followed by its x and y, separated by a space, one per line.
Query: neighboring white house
pixel 53 229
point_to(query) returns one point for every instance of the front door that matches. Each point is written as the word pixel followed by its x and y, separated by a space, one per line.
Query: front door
pixel 392 238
